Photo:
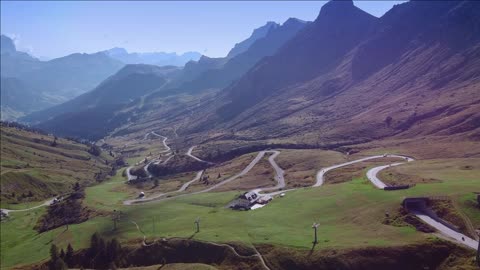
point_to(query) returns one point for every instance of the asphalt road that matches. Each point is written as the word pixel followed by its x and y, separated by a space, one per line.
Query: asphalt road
pixel 371 175
pixel 154 161
pixel 167 148
pixel 157 196
pixel 228 180
pixel 189 153
pixel 322 172
pixel 444 230
pixel 279 176
pixel 129 175
pixel 46 203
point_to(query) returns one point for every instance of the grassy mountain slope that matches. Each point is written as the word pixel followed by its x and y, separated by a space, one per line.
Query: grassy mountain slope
pixel 136 91
pixel 94 113
pixel 17 99
pixel 33 168
pixel 349 77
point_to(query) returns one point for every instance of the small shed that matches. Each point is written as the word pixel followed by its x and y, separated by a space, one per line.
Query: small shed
pixel 240 204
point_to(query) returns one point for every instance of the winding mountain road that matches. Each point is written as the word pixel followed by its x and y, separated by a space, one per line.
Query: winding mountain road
pixel 444 230
pixel 279 176
pixel 371 175
pixel 156 196
pixel 129 175
pixel 154 161
pixel 228 180
pixel 322 172
pixel 46 203
pixel 189 153
pixel 167 148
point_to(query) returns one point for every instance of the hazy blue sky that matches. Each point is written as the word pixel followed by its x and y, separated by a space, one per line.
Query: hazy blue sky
pixel 53 29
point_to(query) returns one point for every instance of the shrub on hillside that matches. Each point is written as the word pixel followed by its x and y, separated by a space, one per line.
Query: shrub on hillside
pixel 65 212
pixel 95 150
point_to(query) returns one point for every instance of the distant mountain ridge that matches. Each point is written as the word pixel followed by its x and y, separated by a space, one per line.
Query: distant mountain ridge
pixel 257 33
pixel 152 58
pixel 48 82
pixel 349 77
pixel 236 66
pixel 352 77
pixel 7 45
pixel 194 69
pixel 339 27
pixel 345 78
pixel 98 110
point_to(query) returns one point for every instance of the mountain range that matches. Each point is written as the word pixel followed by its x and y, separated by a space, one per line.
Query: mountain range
pixel 349 77
pixel 152 58
pixel 346 77
pixel 206 74
pixel 43 84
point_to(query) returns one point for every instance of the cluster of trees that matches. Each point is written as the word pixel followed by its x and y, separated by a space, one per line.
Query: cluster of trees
pixel 206 179
pixel 60 260
pixel 95 150
pixel 23 195
pixel 54 143
pixel 120 161
pixel 139 171
pixel 22 127
pixel 101 254
pixel 68 211
pixel 104 254
pixel 78 140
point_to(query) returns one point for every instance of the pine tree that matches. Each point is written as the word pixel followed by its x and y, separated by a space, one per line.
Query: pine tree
pixel 62 254
pixel 53 257
pixel 76 187
pixel 60 264
pixel 53 252
pixel 93 245
pixel 102 252
pixel 113 250
pixel 69 255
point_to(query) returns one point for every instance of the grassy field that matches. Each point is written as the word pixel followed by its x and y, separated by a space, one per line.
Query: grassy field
pixel 441 170
pixel 32 169
pixel 350 213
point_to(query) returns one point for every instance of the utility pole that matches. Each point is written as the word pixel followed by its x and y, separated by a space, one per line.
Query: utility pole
pixel 315 226
pixel 197 223
pixel 114 220
pixel 478 248
pixel 153 225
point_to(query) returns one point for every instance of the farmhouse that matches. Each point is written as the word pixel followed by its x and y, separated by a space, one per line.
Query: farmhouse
pixel 249 200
